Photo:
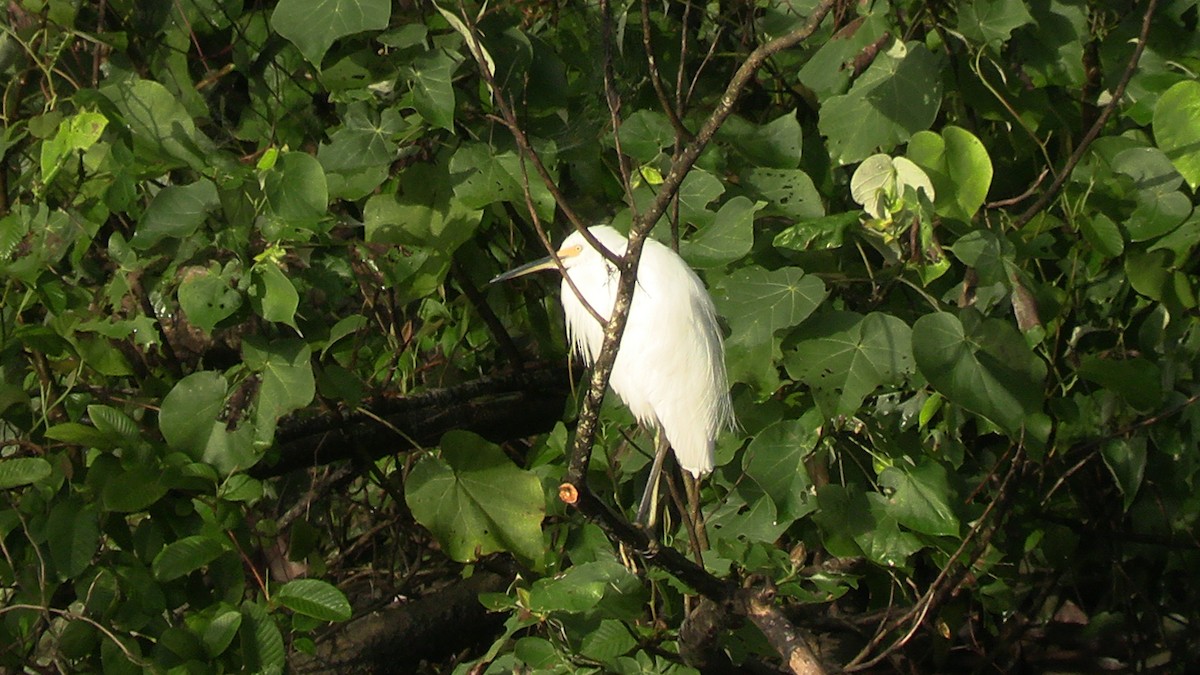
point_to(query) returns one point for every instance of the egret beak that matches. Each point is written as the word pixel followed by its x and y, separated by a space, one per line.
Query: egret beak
pixel 546 263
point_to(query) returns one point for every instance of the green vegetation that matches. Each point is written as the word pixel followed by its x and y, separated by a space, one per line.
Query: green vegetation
pixel 249 355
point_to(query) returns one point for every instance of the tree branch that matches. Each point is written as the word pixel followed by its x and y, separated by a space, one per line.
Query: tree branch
pixel 1118 93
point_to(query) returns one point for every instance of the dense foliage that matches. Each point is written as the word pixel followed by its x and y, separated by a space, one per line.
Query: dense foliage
pixel 954 246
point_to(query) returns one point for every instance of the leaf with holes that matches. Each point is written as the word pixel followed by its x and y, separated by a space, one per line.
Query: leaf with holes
pixel 845 357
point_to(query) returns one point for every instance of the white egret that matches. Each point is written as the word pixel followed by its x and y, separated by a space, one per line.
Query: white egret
pixel 670 367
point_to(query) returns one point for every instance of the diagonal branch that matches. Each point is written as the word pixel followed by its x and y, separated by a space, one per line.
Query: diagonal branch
pixel 1118 93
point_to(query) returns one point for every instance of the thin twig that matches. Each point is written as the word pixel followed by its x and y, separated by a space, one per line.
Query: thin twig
pixel 1118 93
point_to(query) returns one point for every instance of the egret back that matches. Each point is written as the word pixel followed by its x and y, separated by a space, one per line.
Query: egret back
pixel 670 368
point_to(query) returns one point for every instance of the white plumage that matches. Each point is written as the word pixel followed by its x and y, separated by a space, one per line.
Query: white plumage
pixel 670 368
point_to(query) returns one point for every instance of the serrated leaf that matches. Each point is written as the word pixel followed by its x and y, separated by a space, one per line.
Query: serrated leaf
pixel 476 501
pixel 315 598
pixel 314 25
pixel 22 471
pixel 185 556
pixel 758 302
pixel 845 357
pixel 922 498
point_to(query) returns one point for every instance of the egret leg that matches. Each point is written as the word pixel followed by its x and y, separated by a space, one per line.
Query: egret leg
pixel 647 514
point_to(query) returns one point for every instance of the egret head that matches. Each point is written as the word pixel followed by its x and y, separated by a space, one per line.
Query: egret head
pixel 575 251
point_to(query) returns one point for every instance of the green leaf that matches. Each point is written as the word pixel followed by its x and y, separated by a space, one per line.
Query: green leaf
pixel 186 556
pixel 845 357
pixel 774 145
pixel 982 365
pixel 161 127
pixel 475 501
pixel 288 383
pixel 788 192
pixel 1125 458
pixel 1157 214
pixel 22 471
pixel 921 498
pixel 992 21
pixel 364 140
pixel 315 598
pixel 296 190
pixel 273 296
pixel 314 25
pixel 176 211
pixel 77 132
pixel 207 299
pixel 134 490
pixel 820 233
pixel 577 590
pixel 189 410
pixel 219 632
pixel 108 420
pixel 855 523
pixel 612 638
pixel 1177 128
pixel 757 302
pixel 959 167
pixel 698 190
pixel 728 238
pixel 80 434
pixel 897 96
pixel 262 644
pixel 1103 234
pixel 775 461
pixel 483 176
pixel 73 535
pixel 433 93
pixel 644 134
pixel 1138 380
